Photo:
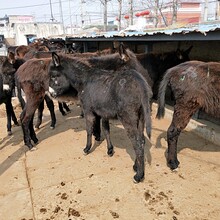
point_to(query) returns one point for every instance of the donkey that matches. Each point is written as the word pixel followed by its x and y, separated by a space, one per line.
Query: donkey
pixel 8 68
pixel 157 64
pixel 105 93
pixel 124 59
pixel 195 85
pixel 33 79
pixel 21 50
pixel 34 72
pixel 63 107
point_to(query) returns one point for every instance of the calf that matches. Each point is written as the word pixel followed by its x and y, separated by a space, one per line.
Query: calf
pixel 195 85
pixel 105 94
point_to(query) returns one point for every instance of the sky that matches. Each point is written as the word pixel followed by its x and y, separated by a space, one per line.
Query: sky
pixel 71 10
pixel 43 11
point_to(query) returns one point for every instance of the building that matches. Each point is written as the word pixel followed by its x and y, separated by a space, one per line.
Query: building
pixel 22 29
pixel 187 12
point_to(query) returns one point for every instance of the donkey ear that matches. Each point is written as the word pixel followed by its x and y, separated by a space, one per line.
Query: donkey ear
pixel 56 59
pixel 188 50
pixel 123 52
pixel 179 54
pixel 11 57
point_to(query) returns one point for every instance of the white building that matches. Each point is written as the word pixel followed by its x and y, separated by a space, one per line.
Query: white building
pixel 20 30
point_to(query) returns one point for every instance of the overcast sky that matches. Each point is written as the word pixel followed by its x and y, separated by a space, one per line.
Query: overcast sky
pixel 42 11
pixel 92 9
pixel 72 9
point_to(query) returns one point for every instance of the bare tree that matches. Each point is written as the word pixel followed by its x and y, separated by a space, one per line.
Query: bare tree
pixel 119 14
pixel 174 6
pixel 156 7
pixel 131 12
pixel 105 13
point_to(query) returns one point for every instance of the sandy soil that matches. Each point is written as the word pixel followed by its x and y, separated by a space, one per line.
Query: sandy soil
pixel 58 182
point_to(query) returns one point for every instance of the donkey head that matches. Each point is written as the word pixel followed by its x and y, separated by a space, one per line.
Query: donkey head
pixel 7 71
pixel 58 83
pixel 183 55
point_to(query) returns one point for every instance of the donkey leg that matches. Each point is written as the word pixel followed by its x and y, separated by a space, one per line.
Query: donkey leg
pixel 61 108
pixel 90 118
pixel 106 130
pixel 32 132
pixel 50 106
pixel 66 107
pixel 130 124
pixel 96 128
pixel 8 112
pixel 40 115
pixel 25 120
pixel 13 116
pixel 141 130
pixel 181 117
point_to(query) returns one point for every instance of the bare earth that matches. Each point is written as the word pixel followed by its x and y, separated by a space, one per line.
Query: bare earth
pixel 58 182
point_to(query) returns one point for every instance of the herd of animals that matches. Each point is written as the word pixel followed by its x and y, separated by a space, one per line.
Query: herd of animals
pixel 119 85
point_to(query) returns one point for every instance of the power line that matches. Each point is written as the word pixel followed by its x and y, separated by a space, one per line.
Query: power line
pixel 31 6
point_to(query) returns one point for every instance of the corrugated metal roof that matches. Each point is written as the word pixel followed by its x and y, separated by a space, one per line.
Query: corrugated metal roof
pixel 201 28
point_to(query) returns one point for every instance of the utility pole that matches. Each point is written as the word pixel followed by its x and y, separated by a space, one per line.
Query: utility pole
pixel 71 23
pixel 217 11
pixel 82 13
pixel 205 18
pixel 105 14
pixel 119 14
pixel 51 12
pixel 131 12
pixel 61 16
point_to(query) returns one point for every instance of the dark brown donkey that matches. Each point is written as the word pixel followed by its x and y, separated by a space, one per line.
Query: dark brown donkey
pixel 123 94
pixel 32 78
pixel 8 67
pixel 157 64
pixel 195 85
pixel 34 52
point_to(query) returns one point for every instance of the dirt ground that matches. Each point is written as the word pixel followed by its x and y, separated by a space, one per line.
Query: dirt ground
pixel 58 182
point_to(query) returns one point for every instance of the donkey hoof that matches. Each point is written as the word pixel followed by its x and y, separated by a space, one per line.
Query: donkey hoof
pixel 33 149
pixel 9 133
pixel 35 140
pixel 52 127
pixel 86 151
pixel 110 152
pixel 29 145
pixel 175 170
pixel 138 179
pixel 173 164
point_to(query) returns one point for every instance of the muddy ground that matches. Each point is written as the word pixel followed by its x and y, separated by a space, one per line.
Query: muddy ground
pixel 58 182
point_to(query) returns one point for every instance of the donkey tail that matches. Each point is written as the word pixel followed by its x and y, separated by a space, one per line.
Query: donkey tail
pixel 19 92
pixel 145 100
pixel 161 95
